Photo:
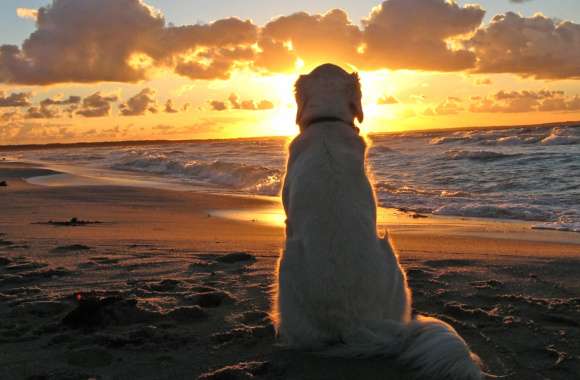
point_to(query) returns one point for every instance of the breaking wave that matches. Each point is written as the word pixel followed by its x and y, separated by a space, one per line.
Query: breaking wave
pixel 238 176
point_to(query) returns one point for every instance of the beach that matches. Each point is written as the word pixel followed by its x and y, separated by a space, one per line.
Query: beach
pixel 150 283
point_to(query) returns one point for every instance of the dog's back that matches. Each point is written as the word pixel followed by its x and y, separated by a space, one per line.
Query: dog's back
pixel 335 266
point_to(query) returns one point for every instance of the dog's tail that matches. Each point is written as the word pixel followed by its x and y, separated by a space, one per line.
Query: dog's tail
pixel 426 345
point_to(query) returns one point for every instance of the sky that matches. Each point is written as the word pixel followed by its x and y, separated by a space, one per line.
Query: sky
pixel 102 70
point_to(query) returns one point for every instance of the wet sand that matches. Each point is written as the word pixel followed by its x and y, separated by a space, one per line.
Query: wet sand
pixel 164 286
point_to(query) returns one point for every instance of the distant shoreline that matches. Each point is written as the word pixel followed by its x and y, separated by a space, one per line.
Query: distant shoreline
pixel 10 148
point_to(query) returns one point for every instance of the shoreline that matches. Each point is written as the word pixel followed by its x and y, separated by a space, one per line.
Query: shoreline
pixel 68 175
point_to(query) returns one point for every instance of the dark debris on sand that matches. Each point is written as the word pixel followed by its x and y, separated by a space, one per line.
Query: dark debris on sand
pixel 235 257
pixel 72 222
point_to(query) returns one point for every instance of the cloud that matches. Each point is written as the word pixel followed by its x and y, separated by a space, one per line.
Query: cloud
pixel 97 105
pixel 16 99
pixel 42 112
pixel 27 13
pixel 71 100
pixel 235 103
pixel 525 101
pixel 10 116
pixel 208 51
pixel 100 40
pixel 169 107
pixel 264 105
pixel 140 104
pixel 483 82
pixel 227 34
pixel 217 105
pixel 413 34
pixel 45 109
pixel 32 131
pixel 450 106
pixel 83 41
pixel 312 38
pixel 387 100
pixel 536 47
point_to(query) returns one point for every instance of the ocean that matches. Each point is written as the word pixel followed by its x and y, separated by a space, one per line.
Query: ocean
pixel 530 174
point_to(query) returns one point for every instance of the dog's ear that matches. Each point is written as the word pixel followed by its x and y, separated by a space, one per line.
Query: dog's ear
pixel 300 96
pixel 356 101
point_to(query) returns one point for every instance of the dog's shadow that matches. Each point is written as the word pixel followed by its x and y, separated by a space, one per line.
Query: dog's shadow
pixel 293 365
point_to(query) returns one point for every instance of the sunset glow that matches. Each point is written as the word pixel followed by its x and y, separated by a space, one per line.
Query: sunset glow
pixel 233 77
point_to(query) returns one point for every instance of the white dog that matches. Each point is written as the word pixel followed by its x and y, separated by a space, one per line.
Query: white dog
pixel 341 290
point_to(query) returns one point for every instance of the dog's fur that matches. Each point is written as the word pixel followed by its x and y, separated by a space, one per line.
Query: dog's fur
pixel 341 290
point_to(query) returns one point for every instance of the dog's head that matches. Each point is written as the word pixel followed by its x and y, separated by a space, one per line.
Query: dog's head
pixel 328 92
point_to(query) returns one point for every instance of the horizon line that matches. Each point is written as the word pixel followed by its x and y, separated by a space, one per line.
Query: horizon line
pixel 15 147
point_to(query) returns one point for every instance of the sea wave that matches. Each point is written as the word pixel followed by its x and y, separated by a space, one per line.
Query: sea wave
pixel 499 211
pixel 562 136
pixel 567 135
pixel 384 188
pixel 239 176
pixel 556 226
pixel 483 155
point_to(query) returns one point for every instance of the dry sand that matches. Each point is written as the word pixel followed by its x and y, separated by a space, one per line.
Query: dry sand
pixel 163 289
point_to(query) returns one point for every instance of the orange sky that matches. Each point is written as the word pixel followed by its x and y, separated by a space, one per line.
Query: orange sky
pixel 423 64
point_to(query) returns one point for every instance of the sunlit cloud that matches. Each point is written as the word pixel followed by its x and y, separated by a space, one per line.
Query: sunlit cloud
pixel 525 101
pixel 89 41
pixel 387 100
pixel 235 103
pixel 534 46
pixel 27 13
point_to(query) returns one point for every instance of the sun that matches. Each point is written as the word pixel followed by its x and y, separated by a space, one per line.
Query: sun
pixel 279 88
pixel 281 120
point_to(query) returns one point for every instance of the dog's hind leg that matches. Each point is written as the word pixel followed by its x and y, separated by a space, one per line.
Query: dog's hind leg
pixel 291 314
